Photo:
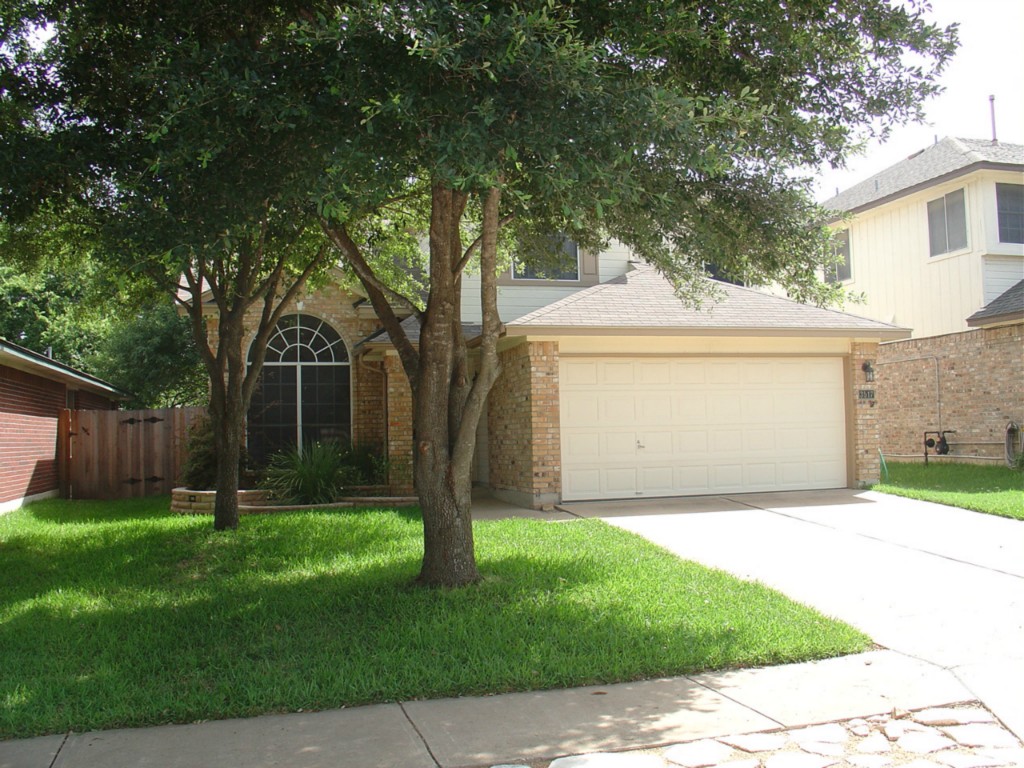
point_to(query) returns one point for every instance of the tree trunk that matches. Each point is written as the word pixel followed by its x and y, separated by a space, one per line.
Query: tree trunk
pixel 227 417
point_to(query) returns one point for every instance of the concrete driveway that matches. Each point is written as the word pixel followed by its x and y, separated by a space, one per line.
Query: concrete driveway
pixel 936 583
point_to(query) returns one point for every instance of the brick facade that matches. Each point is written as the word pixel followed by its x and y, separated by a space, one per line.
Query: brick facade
pixel 865 426
pixel 29 409
pixel 341 310
pixel 971 382
pixel 399 426
pixel 523 424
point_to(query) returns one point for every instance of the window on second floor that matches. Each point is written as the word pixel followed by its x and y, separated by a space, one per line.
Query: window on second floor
pixel 839 271
pixel 1010 209
pixel 947 223
pixel 562 263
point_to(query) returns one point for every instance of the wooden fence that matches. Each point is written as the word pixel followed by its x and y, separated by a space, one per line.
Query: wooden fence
pixel 122 454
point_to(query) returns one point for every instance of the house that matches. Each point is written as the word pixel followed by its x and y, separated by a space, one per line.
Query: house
pixel 936 237
pixel 34 390
pixel 936 244
pixel 611 387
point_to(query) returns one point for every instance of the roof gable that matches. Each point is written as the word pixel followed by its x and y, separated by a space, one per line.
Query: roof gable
pixel 643 300
pixel 945 159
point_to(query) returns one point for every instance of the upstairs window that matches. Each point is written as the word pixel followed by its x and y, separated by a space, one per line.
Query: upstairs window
pixel 947 223
pixel 840 270
pixel 717 273
pixel 1010 209
pixel 559 261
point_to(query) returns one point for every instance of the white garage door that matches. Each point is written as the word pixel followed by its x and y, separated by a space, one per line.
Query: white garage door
pixel 666 427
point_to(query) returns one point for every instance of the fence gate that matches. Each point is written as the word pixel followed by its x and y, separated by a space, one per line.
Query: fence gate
pixel 121 454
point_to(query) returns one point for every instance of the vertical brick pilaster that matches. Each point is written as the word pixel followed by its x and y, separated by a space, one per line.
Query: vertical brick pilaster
pixel 866 434
pixel 399 426
pixel 524 426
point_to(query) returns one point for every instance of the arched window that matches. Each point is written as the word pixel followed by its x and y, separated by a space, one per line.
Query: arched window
pixel 304 393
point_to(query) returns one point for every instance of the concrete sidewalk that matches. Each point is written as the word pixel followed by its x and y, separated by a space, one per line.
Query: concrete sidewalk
pixel 521 727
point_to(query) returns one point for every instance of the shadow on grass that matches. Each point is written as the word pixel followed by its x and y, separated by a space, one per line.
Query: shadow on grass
pixel 178 624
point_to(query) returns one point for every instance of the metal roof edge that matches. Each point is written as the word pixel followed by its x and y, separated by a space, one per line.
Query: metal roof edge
pixel 33 361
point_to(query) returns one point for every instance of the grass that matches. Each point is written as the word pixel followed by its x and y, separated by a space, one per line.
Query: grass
pixel 995 490
pixel 119 614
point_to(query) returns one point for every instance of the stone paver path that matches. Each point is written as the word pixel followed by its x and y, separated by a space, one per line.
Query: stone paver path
pixel 965 736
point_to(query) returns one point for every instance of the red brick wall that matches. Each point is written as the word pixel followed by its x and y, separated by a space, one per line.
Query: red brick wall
pixel 29 406
pixel 972 382
pixel 399 426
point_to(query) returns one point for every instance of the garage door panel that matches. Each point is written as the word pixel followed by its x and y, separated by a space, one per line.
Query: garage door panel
pixel 759 441
pixel 575 372
pixel 580 447
pixel 639 427
pixel 657 443
pixel 691 442
pixel 725 408
pixel 724 373
pixel 658 480
pixel 619 409
pixel 727 442
pixel 655 374
pixel 620 481
pixel 761 475
pixel 617 445
pixel 690 408
pixel 619 373
pixel 582 408
pixel 695 477
pixel 656 409
pixel 689 372
pixel 581 484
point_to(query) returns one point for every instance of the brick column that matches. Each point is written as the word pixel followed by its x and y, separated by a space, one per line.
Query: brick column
pixel 399 426
pixel 523 426
pixel 866 432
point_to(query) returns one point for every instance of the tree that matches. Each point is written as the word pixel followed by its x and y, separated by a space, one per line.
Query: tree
pixel 669 126
pixel 208 211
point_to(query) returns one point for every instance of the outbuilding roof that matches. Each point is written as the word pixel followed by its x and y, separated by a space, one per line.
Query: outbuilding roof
pixel 1008 307
pixel 944 160
pixel 643 301
pixel 22 359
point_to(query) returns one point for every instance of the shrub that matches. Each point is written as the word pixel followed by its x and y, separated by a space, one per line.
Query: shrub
pixel 200 469
pixel 315 475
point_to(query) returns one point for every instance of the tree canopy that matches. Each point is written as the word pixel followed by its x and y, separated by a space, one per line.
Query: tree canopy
pixel 242 139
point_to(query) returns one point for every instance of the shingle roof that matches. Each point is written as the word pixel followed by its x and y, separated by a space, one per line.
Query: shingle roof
pixel 19 357
pixel 948 158
pixel 412 329
pixel 1007 307
pixel 643 300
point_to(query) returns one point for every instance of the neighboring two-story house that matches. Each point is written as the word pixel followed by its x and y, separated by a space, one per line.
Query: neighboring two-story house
pixel 611 387
pixel 935 244
pixel 936 237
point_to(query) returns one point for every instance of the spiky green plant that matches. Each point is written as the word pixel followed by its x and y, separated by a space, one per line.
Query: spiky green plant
pixel 316 474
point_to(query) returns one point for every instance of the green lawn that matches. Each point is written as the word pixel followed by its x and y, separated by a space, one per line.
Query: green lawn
pixel 996 490
pixel 120 614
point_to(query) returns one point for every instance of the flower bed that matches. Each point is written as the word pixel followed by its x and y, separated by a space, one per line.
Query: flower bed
pixel 186 501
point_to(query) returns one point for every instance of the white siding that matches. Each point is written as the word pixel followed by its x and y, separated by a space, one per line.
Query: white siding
pixel 1001 273
pixel 931 295
pixel 514 301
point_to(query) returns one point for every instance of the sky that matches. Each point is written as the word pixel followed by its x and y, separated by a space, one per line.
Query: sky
pixel 990 61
